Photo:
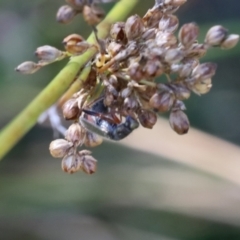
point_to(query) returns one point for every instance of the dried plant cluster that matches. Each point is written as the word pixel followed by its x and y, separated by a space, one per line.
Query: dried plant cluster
pixel 124 82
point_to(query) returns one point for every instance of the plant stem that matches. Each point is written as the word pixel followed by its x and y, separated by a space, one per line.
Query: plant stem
pixel 22 123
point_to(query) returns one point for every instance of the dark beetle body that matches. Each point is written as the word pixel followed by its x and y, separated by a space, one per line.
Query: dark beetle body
pixel 91 119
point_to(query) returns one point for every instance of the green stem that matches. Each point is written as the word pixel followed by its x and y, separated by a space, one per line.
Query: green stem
pixel 16 129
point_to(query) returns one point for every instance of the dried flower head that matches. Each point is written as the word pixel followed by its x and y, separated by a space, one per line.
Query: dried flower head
pixel 122 89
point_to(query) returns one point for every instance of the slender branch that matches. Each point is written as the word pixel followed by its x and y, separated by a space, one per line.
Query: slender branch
pixel 16 129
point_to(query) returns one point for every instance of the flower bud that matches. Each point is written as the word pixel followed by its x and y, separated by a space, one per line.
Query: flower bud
pixel 71 163
pixel 162 101
pixel 92 139
pixel 93 15
pixel 59 148
pixel 230 42
pixel 28 67
pixel 216 35
pixel 70 109
pixel 147 118
pixel 66 14
pixel 188 34
pixel 75 134
pixel 168 23
pixel 49 53
pixel 179 122
pixel 134 27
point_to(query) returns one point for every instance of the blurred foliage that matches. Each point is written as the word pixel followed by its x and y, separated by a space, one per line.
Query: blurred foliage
pixel 134 195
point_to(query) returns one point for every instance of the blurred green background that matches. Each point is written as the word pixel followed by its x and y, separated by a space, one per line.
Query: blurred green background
pixel 133 195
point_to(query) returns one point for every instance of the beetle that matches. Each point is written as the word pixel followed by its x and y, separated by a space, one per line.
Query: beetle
pixel 99 120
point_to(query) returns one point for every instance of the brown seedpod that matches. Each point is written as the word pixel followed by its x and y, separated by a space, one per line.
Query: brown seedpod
pixel 202 87
pixel 77 4
pixel 196 51
pixel 152 17
pixel 216 35
pixel 70 109
pixel 60 147
pixel 49 54
pixel 117 32
pixel 66 14
pixel 89 164
pixel 92 139
pixel 93 14
pixel 204 70
pixel 28 67
pixel 75 134
pixel 181 91
pixel 166 40
pixel 168 23
pixel 71 163
pixel 153 68
pixel 162 101
pixel 179 122
pixel 113 48
pixel 188 34
pixel 174 55
pixel 230 42
pixel 134 27
pixel 75 44
pixel 147 118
